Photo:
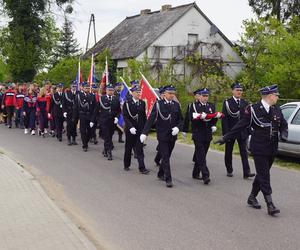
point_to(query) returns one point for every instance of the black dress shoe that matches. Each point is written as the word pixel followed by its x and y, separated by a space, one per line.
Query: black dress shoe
pixel 74 141
pixel 84 149
pixel 197 177
pixel 126 168
pixel 59 139
pixel 104 153
pixel 109 157
pixel 229 174
pixel 252 201
pixel 169 184
pixel 272 210
pixel 69 142
pixel 95 142
pixel 246 176
pixel 162 178
pixel 206 180
pixel 144 171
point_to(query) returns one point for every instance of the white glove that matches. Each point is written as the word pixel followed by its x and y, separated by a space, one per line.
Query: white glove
pixel 65 114
pixel 24 113
pixel 175 131
pixel 219 115
pixel 196 116
pixel 213 129
pixel 116 120
pixel 133 131
pixel 91 124
pixel 203 116
pixel 183 134
pixel 143 138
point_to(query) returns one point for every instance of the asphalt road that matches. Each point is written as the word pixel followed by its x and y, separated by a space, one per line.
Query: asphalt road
pixel 127 210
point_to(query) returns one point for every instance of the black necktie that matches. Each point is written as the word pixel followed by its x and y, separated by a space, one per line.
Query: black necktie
pixel 238 102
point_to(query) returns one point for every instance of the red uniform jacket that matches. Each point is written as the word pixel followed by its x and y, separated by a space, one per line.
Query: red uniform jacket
pixel 9 98
pixel 19 100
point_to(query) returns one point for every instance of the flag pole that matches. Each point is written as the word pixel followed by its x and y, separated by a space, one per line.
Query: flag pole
pixel 149 85
pixel 79 72
pixel 122 79
pixel 106 71
pixel 92 73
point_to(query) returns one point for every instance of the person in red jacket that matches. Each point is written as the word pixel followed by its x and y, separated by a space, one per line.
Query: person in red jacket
pixel 20 94
pixel 49 94
pixel 1 110
pixel 41 108
pixel 8 102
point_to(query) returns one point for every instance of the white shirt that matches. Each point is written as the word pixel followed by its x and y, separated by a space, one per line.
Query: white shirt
pixel 266 105
pixel 236 100
pixel 135 101
pixel 168 102
pixel 204 104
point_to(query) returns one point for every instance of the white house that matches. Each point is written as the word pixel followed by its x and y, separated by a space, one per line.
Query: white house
pixel 170 33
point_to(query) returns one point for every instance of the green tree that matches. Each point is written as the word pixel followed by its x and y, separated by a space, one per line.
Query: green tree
pixel 281 9
pixel 64 71
pixel 272 55
pixel 24 36
pixel 4 74
pixel 67 45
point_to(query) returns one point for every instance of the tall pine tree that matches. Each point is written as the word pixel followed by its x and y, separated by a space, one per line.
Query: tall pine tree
pixel 68 46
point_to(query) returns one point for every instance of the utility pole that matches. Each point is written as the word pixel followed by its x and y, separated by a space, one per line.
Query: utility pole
pixel 92 20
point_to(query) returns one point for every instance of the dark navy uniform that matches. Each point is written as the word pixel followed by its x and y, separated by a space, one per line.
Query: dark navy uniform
pixel 107 110
pixel 267 127
pixel 134 113
pixel 83 109
pixel 201 135
pixel 57 112
pixel 68 102
pixel 29 112
pixel 168 116
pixel 233 111
pixel 93 138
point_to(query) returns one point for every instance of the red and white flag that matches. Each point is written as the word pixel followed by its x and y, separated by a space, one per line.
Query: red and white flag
pixel 147 94
pixel 91 77
pixel 105 78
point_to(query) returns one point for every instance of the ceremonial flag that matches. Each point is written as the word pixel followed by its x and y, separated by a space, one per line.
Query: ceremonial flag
pixel 105 78
pixel 92 79
pixel 78 79
pixel 148 95
pixel 122 99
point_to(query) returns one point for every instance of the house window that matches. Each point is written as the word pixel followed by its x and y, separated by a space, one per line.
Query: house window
pixel 192 39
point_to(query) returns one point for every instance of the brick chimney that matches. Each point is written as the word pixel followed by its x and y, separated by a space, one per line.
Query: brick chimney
pixel 145 12
pixel 165 7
